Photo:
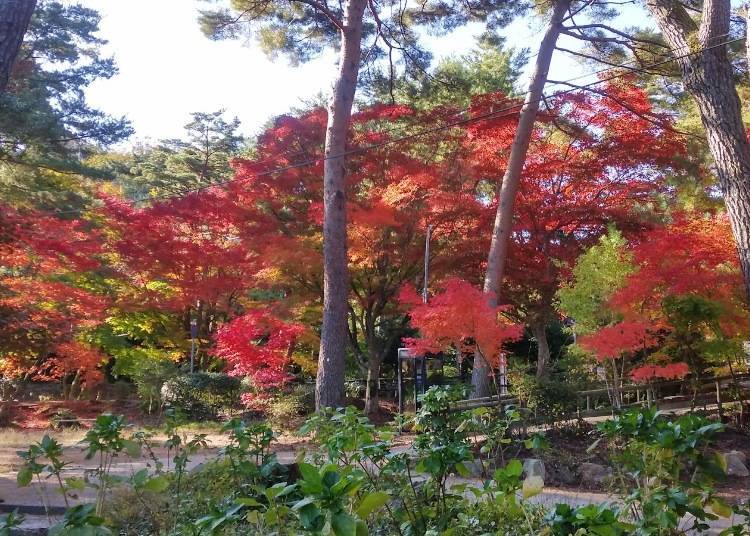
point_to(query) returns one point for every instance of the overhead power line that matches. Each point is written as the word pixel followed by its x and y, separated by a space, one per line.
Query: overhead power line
pixel 492 114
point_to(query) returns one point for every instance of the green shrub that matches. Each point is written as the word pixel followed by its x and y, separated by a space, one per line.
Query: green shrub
pixel 665 469
pixel 588 519
pixel 202 395
pixel 149 378
pixel 552 398
pixel 285 412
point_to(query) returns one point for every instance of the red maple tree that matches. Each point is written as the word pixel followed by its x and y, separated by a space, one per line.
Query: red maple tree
pixel 46 300
pixel 687 287
pixel 460 318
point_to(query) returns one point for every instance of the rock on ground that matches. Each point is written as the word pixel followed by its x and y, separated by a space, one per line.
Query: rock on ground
pixel 736 463
pixel 593 473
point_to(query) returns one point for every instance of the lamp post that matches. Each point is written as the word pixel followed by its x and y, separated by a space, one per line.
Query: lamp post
pixel 193 335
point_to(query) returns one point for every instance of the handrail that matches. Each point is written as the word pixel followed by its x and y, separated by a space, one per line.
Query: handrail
pixel 641 386
pixel 473 403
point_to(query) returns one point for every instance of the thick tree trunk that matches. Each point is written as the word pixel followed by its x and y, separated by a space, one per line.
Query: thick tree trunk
pixel 539 330
pixel 372 398
pixel 708 78
pixel 329 388
pixel 14 19
pixel 480 377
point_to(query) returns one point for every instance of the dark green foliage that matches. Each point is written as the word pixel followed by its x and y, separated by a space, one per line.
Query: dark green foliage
pixel 81 520
pixel 489 68
pixel 664 468
pixel 45 106
pixel 592 518
pixel 202 395
pixel 199 159
pixel 46 125
pixel 554 397
pixel 302 30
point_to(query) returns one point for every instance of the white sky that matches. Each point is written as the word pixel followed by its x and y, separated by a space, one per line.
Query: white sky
pixel 169 69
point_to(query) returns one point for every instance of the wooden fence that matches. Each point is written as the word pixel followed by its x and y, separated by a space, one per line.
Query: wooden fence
pixel 689 393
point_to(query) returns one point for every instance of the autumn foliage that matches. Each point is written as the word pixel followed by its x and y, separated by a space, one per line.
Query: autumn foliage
pixel 243 260
pixel 259 346
pixel 458 318
pixel 47 295
pixel 686 287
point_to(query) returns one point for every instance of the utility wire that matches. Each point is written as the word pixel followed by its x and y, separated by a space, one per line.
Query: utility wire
pixel 492 114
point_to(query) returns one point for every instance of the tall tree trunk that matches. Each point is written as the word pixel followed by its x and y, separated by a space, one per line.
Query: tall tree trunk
pixel 708 78
pixel 329 387
pixel 372 398
pixel 539 330
pixel 480 377
pixel 14 20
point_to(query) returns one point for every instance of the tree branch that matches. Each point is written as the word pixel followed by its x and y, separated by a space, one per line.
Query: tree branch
pixel 330 15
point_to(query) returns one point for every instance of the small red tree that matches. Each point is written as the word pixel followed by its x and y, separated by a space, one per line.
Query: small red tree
pixel 459 317
pixel 259 346
pixel 75 361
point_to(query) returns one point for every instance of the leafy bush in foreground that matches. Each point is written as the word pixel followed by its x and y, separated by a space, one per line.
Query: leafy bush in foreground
pixel 358 482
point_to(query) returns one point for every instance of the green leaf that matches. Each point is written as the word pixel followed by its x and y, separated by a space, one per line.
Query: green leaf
pixel 310 474
pixel 362 528
pixel 302 503
pixel 532 486
pixel 371 502
pixel 721 508
pixel 344 525
pixel 462 470
pixel 156 484
pixel 132 448
pixel 24 476
pixel 247 501
pixel 721 461
pixel 603 530
pixel 514 468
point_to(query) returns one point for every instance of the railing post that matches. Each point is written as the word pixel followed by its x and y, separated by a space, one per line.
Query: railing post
pixel 718 398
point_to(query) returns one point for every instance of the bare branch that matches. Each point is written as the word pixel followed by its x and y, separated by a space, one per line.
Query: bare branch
pixel 651 119
pixel 615 31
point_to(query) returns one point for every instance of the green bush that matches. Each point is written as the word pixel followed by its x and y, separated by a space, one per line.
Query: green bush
pixel 287 409
pixel 358 483
pixel 552 398
pixel 149 378
pixel 202 395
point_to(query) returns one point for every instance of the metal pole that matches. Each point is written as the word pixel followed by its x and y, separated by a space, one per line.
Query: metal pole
pixel 400 385
pixel 193 334
pixel 426 263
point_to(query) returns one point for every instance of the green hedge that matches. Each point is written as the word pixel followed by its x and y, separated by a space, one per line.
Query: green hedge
pixel 202 395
